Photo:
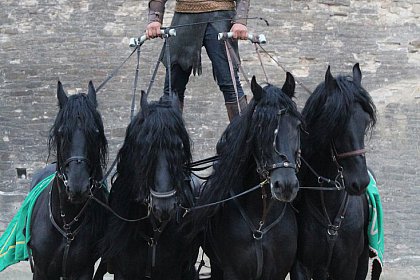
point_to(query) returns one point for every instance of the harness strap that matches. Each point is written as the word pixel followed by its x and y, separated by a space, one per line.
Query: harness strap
pixel 335 226
pixel 137 48
pixel 259 233
pixel 116 214
pixel 335 186
pixel 113 73
pixel 66 233
pixel 168 62
pixel 351 154
pixel 232 74
pixel 136 77
pixel 187 210
pixel 331 227
pixel 257 50
pixel 151 251
pixel 152 80
pixel 237 62
pixel 281 66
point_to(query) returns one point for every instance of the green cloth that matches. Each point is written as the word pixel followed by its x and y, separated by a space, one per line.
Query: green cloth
pixel 375 229
pixel 14 241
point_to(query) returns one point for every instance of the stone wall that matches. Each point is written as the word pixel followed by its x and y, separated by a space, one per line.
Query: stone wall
pixel 77 41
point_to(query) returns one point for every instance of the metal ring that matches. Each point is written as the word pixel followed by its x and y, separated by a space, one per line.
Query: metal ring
pixel 258 234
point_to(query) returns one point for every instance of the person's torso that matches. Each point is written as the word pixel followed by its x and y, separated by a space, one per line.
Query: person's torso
pixel 201 6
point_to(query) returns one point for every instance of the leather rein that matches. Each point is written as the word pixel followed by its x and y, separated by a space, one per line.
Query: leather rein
pixel 336 184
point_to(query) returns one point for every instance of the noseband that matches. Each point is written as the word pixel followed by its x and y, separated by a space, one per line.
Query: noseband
pixel 168 194
pixel 61 173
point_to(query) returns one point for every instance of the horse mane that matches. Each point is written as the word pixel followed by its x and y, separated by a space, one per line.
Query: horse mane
pixel 159 128
pixel 236 146
pixel 80 111
pixel 327 113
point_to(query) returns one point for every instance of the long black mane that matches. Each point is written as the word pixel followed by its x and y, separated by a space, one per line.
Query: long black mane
pixel 326 113
pixel 159 128
pixel 237 145
pixel 80 111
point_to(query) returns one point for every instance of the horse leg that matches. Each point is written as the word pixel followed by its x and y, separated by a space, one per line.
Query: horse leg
pixel 229 274
pixel 363 265
pixel 216 271
pixel 345 269
pixel 37 275
pixel 87 274
pixel 299 272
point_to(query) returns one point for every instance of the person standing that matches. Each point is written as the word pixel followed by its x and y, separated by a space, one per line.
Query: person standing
pixel 199 23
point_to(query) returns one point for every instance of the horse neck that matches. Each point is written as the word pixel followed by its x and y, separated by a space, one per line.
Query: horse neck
pixel 252 201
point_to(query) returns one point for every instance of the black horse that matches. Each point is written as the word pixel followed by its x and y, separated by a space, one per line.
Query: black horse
pixel 254 236
pixel 333 211
pixel 66 224
pixel 150 183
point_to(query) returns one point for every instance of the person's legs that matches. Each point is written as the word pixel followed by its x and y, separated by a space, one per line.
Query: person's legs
pixel 221 71
pixel 179 81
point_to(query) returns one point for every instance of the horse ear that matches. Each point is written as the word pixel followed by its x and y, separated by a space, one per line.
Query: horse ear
pixel 330 82
pixel 143 101
pixel 256 89
pixel 289 85
pixel 357 75
pixel 61 95
pixel 92 93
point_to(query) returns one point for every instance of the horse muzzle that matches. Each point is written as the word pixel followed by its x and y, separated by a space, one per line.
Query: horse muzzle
pixel 284 191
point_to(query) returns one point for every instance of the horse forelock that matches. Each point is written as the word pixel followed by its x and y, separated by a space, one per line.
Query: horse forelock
pixel 327 113
pixel 80 112
pixel 267 113
pixel 160 130
pixel 235 148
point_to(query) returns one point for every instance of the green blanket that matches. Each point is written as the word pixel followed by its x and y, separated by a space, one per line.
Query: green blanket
pixel 375 229
pixel 13 242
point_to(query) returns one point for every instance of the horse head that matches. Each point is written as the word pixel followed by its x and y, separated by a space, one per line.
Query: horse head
pixel 276 134
pixel 80 143
pixel 169 145
pixel 339 123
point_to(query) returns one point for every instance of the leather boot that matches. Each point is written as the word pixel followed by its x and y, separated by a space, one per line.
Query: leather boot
pixel 233 109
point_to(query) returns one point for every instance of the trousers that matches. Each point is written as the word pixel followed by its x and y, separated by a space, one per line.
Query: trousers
pixel 217 54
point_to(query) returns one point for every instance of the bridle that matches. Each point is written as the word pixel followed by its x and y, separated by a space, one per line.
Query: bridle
pixel 62 174
pixel 264 169
pixel 336 184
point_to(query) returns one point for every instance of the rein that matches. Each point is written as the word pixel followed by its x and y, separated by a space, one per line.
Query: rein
pixel 334 184
pixel 337 184
pixel 283 68
pixel 187 210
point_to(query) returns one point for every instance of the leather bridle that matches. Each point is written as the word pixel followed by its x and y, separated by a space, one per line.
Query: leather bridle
pixel 336 184
pixel 62 174
pixel 265 168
